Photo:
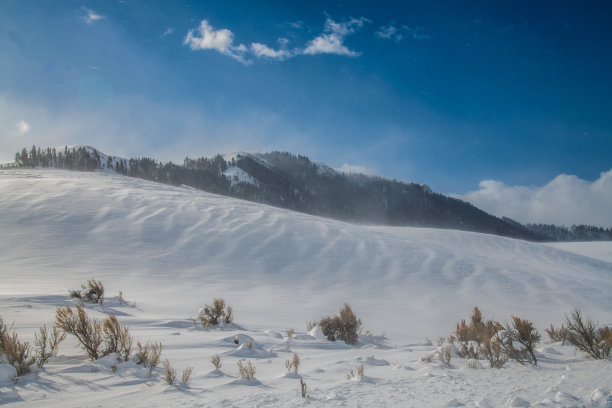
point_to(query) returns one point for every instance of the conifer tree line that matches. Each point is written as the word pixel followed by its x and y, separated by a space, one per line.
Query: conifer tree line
pixel 294 182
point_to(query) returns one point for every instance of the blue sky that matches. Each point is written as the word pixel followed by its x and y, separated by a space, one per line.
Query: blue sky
pixel 449 94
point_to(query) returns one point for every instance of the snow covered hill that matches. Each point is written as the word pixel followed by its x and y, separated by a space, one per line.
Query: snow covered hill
pixel 171 250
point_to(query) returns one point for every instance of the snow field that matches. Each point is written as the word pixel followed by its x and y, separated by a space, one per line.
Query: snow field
pixel 170 250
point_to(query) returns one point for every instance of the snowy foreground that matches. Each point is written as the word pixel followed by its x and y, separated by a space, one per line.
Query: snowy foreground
pixel 171 250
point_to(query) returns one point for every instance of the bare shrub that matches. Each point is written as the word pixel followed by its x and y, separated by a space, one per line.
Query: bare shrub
pixel 117 338
pixel 47 344
pixel 342 327
pixel 290 333
pixel 587 336
pixel 186 375
pixel 519 331
pixel 247 372
pixel 87 331
pixel 303 386
pixel 169 373
pixel 557 335
pixel 311 325
pixel 250 345
pixel 215 313
pixel 17 354
pixel 216 361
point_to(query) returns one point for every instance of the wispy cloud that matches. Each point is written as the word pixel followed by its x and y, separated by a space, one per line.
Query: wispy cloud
pixel 91 16
pixel 22 127
pixel 205 37
pixel 399 33
pixel 331 41
pixel 566 200
pixel 263 51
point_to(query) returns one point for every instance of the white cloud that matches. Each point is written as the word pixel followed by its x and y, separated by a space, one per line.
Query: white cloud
pixel 22 127
pixel 389 32
pixel 332 39
pixel 207 38
pixel 90 16
pixel 263 51
pixel 351 168
pixel 566 200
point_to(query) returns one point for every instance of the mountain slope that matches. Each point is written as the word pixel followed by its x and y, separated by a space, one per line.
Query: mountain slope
pixel 294 182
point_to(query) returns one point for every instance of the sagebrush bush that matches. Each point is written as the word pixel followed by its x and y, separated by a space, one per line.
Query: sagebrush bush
pixel 98 340
pixel 17 353
pixel 519 331
pixel 47 343
pixel 492 351
pixel 470 336
pixel 247 372
pixel 92 291
pixel 342 327
pixel 149 355
pixel 216 313
pixel 588 337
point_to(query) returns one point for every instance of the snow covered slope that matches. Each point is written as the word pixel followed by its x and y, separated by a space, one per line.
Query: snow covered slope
pixel 170 250
pixel 275 266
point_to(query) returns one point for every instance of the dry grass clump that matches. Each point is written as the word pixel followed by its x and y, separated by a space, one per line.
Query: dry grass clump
pixel 98 340
pixel 169 373
pixel 186 375
pixel 360 373
pixel 247 372
pixel 216 313
pixel 443 354
pixel 342 327
pixel 216 361
pixel 92 291
pixel 587 336
pixel 557 335
pixel 149 355
pixel 293 364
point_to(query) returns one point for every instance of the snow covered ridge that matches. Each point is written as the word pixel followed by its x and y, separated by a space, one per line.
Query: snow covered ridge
pixel 170 250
